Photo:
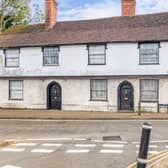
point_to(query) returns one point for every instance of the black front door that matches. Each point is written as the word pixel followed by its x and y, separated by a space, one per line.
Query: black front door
pixel 54 96
pixel 126 96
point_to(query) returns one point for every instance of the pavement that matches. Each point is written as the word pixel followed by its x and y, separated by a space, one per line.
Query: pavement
pixel 74 144
pixel 77 115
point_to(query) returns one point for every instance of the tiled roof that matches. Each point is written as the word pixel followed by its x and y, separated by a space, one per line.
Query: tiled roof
pixel 151 27
pixel 17 29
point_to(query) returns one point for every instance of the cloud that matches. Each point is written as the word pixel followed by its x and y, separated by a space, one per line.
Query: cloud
pixel 89 9
pixel 152 6
pixel 105 8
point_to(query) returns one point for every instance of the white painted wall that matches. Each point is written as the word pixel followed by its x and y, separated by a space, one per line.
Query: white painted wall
pixel 122 59
pixel 76 94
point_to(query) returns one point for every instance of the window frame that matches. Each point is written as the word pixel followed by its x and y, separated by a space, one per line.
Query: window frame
pixel 43 48
pixel 16 99
pixel 97 44
pixel 103 100
pixel 5 54
pixel 158 57
pixel 143 101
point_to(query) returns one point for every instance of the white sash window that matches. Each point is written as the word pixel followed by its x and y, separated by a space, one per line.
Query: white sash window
pixel 51 55
pixel 16 90
pixel 98 89
pixel 12 57
pixel 149 53
pixel 97 54
pixel 149 90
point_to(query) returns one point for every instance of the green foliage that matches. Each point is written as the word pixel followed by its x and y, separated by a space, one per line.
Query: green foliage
pixel 14 12
pixel 38 16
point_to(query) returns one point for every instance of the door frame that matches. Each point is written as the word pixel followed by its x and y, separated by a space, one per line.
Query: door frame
pixel 119 94
pixel 48 94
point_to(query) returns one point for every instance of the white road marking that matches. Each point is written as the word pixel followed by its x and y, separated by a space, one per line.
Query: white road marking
pixel 9 166
pixel 150 146
pixel 161 141
pixel 113 145
pixel 52 145
pixel 26 144
pixel 135 142
pixel 117 142
pixel 12 149
pixel 94 140
pixel 111 151
pixel 79 139
pixel 42 151
pixel 150 152
pixel 49 139
pixel 166 146
pixel 78 151
pixel 85 145
pixel 65 139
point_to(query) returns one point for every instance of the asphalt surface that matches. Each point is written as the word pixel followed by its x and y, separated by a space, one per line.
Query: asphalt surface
pixel 76 144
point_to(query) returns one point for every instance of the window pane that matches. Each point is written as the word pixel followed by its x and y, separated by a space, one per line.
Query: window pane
pixel 149 53
pixel 12 52
pixel 16 94
pixel 12 62
pixel 97 54
pixel 51 55
pixel 149 90
pixel 97 49
pixel 51 60
pixel 16 90
pixel 98 89
pixel 12 58
pixel 97 59
pixel 16 85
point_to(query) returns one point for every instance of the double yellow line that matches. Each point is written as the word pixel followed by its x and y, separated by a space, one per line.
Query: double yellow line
pixel 151 158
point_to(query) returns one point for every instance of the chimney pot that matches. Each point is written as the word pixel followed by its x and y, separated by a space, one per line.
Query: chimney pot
pixel 128 7
pixel 51 13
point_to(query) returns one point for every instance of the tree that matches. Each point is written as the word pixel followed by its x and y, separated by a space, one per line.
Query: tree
pixel 14 12
pixel 38 16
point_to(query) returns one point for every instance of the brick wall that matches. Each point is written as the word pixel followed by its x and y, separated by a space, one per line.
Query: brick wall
pixel 128 7
pixel 51 13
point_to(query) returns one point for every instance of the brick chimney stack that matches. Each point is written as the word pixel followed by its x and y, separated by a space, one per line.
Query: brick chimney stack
pixel 51 13
pixel 128 7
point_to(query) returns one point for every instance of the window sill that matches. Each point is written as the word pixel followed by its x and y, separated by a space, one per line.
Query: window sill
pixel 149 101
pixel 12 67
pixel 51 65
pixel 16 99
pixel 96 64
pixel 98 100
pixel 150 64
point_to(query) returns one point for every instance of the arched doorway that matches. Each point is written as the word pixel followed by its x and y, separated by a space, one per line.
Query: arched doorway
pixel 125 96
pixel 54 96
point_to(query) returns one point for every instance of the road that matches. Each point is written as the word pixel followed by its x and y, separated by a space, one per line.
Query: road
pixel 75 144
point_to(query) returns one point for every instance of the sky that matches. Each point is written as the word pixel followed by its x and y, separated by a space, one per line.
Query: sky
pixel 90 9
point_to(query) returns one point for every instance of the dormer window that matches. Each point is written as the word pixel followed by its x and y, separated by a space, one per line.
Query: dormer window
pixel 97 54
pixel 149 53
pixel 51 56
pixel 12 57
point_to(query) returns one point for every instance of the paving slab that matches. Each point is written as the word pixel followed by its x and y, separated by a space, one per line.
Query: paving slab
pixel 77 115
